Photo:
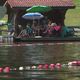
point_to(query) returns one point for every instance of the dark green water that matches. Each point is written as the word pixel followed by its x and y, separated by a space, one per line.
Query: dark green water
pixel 15 55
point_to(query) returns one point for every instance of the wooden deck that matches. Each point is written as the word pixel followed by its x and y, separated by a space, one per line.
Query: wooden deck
pixel 48 39
pixel 75 37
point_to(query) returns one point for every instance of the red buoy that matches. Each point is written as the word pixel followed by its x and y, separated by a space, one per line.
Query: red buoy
pixel 74 63
pixel 78 62
pixel 40 66
pixel 15 69
pixel 1 69
pixel 6 69
pixel 58 66
pixel 46 66
pixel 52 66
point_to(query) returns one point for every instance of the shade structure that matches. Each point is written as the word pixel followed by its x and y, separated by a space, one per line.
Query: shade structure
pixel 32 16
pixel 39 9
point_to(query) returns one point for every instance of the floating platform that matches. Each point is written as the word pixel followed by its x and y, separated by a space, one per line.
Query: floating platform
pixel 70 38
pixel 48 39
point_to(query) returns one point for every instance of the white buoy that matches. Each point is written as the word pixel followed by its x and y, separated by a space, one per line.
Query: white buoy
pixel 69 63
pixel 33 67
pixel 21 68
pixel 27 68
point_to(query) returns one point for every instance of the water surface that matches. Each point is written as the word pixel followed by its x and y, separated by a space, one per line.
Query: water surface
pixel 15 55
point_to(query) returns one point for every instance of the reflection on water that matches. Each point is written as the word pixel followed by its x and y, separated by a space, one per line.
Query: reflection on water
pixel 32 54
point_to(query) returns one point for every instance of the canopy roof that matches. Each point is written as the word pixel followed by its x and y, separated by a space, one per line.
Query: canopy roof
pixel 29 3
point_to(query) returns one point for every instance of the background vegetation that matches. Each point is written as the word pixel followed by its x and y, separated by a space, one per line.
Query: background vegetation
pixel 73 15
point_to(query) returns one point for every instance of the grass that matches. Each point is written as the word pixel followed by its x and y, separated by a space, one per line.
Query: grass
pixel 73 15
pixel 5 27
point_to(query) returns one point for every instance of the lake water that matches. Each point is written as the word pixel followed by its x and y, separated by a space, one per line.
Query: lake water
pixel 16 55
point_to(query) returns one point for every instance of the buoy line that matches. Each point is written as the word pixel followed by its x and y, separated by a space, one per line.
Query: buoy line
pixel 57 66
